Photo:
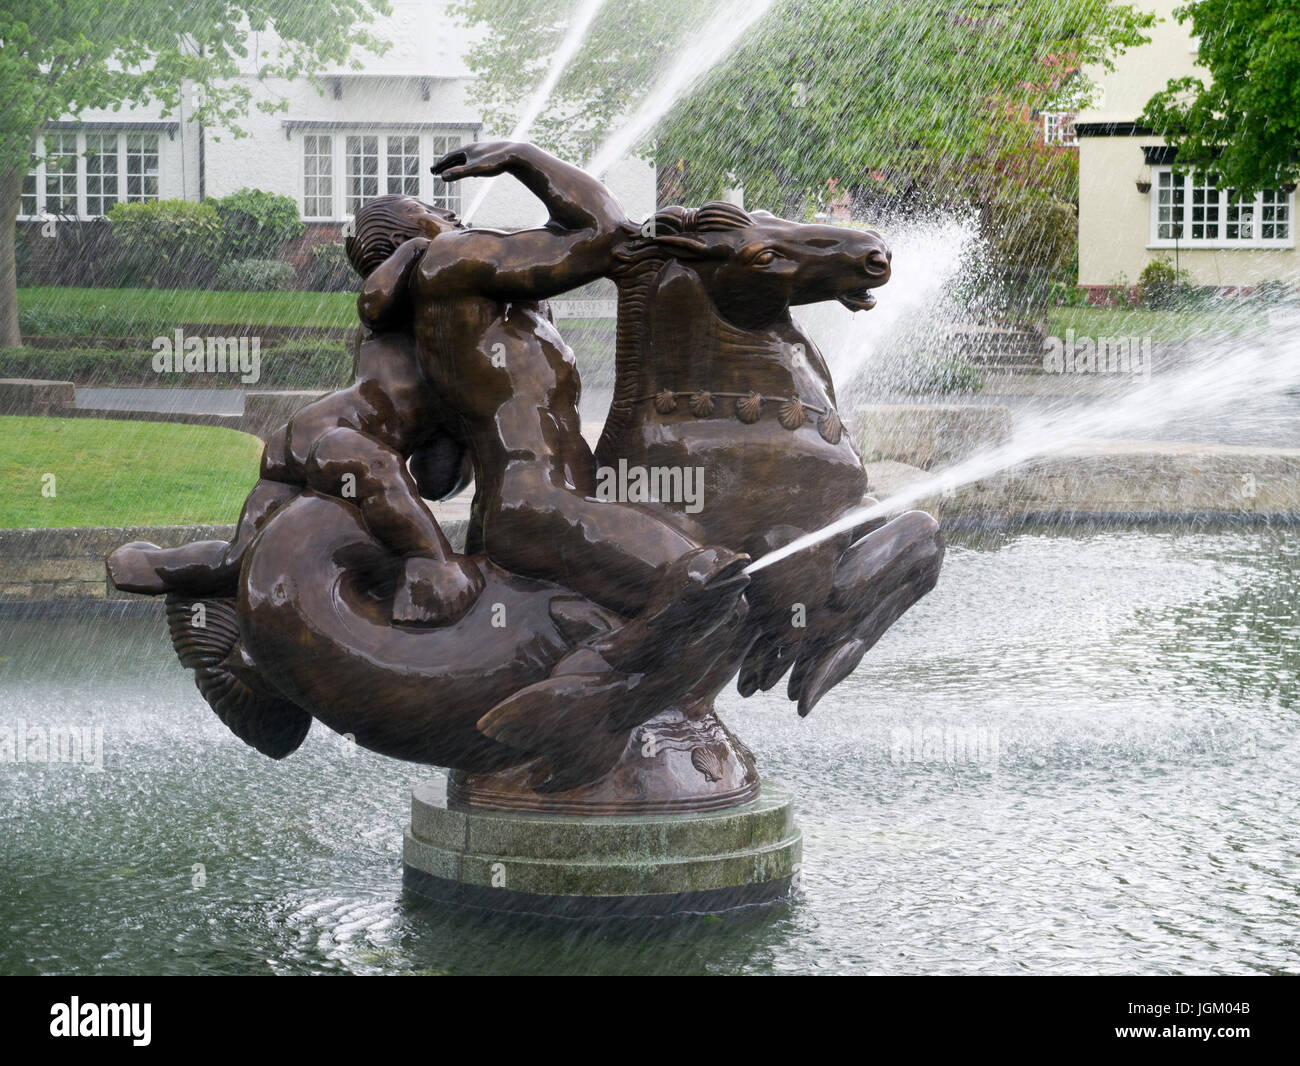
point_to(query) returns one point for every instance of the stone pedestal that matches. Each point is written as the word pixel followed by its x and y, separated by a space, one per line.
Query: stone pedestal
pixel 583 866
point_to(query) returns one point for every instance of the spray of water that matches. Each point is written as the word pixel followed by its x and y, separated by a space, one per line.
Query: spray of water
pixel 929 254
pixel 1221 380
pixel 573 39
pixel 708 47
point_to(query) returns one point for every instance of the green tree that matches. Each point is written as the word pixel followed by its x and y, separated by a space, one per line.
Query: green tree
pixel 1245 124
pixel 58 59
pixel 883 99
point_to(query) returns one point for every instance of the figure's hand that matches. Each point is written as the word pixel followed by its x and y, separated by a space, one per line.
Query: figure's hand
pixel 482 159
pixel 433 593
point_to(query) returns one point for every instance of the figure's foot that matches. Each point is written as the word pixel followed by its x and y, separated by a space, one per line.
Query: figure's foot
pixel 698 593
pixel 131 568
pixel 434 593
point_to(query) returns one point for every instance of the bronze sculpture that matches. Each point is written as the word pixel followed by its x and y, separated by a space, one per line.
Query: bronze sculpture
pixel 534 665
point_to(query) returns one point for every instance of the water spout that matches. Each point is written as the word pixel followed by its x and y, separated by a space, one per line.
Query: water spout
pixel 1257 370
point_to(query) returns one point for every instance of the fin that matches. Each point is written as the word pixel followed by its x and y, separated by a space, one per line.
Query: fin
pixel 271 724
pixel 828 671
pixel 765 665
pixel 564 719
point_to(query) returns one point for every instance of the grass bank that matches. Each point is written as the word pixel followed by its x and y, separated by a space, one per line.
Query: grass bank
pixel 57 472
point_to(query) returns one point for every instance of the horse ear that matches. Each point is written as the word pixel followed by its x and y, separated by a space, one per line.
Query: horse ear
pixel 685 245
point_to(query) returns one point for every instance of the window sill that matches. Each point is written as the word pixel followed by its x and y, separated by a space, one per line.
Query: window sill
pixel 1221 246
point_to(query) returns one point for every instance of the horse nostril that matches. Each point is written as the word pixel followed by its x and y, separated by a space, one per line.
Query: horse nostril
pixel 878 261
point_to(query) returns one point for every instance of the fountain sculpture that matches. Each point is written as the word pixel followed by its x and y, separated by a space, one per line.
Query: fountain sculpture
pixel 564 668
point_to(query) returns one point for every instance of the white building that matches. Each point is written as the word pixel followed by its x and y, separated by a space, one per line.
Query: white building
pixel 371 131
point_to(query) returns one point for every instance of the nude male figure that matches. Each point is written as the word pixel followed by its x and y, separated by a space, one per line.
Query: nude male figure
pixel 489 348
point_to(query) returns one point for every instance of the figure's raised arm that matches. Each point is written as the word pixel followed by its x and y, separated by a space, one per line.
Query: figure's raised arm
pixel 575 246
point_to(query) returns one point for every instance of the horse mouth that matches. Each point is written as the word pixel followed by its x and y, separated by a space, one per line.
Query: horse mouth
pixel 858 300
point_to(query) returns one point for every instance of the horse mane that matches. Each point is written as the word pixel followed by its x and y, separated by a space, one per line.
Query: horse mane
pixel 639 264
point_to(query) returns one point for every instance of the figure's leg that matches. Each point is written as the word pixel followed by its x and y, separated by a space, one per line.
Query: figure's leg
pixel 200 568
pixel 622 556
pixel 435 586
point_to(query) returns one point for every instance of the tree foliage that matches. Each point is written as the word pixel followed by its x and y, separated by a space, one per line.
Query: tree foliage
pixel 887 99
pixel 1245 124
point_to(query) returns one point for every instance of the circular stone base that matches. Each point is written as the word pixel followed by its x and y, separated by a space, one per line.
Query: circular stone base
pixel 575 866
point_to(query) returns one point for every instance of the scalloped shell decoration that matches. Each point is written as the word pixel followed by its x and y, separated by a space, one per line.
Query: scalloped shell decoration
pixel 708 760
pixel 791 413
pixel 830 427
pixel 749 408
pixel 701 404
pixel 665 402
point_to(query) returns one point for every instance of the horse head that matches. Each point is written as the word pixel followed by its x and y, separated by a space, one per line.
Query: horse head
pixel 755 266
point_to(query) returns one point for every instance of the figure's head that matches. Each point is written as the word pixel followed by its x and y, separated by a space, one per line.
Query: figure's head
pixel 386 222
pixel 755 266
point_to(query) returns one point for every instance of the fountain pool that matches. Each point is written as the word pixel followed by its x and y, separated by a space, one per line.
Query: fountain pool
pixel 1079 754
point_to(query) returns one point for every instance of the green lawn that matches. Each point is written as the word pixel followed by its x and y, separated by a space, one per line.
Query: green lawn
pixel 111 473
pixel 156 310
pixel 1160 326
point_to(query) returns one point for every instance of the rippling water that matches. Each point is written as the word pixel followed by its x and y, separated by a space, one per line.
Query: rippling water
pixel 1121 798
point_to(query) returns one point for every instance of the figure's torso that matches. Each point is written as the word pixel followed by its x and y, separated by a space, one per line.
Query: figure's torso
pixel 511 381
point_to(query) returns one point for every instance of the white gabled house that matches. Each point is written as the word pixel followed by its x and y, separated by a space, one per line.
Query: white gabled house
pixel 371 131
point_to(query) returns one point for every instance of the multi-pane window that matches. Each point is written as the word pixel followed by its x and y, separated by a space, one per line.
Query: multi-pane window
pixel 1058 128
pixel 141 167
pixel 403 157
pixel 1239 222
pixel 445 194
pixel 101 172
pixel 1205 207
pixel 362 170
pixel 61 174
pixel 373 164
pixel 84 173
pixel 1193 209
pixel 318 176
pixel 1170 197
pixel 1275 215
pixel 27 205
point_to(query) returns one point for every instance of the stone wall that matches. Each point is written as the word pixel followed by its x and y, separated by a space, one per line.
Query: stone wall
pixel 51 566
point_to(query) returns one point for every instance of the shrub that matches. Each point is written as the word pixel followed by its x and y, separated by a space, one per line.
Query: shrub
pixel 255 275
pixel 948 374
pixel 257 224
pixel 1034 238
pixel 328 269
pixel 164 243
pixel 1160 285
pixel 1063 295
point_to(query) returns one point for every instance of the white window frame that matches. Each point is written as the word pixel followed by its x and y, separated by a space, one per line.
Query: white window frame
pixel 1190 181
pixel 1055 123
pixel 38 173
pixel 432 145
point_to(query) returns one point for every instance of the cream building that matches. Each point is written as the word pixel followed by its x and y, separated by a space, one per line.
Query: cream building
pixel 1133 208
